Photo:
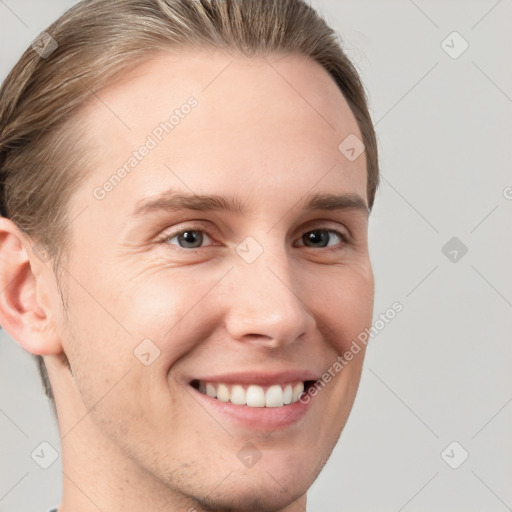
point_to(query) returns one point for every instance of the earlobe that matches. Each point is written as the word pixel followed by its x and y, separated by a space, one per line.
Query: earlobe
pixel 24 280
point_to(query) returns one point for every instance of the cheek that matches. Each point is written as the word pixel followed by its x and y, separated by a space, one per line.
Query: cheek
pixel 111 317
pixel 175 308
pixel 344 303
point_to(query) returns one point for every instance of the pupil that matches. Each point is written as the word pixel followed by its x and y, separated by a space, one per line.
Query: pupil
pixel 191 237
pixel 318 236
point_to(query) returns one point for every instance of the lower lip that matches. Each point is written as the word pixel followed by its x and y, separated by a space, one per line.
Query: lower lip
pixel 261 418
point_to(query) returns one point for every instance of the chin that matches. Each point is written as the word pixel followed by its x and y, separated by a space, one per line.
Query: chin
pixel 243 496
pixel 270 485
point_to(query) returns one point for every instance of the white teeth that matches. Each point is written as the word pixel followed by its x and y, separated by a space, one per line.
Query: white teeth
pixel 223 393
pixel 254 396
pixel 297 390
pixel 287 395
pixel 274 396
pixel 238 395
pixel 211 391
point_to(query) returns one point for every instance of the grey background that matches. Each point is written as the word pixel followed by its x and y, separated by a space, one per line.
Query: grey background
pixel 440 371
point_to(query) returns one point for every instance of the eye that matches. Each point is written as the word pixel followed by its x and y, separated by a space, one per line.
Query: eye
pixel 188 239
pixel 320 238
pixel 195 238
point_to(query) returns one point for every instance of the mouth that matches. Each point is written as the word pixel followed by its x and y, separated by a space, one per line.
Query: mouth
pixel 254 395
pixel 258 400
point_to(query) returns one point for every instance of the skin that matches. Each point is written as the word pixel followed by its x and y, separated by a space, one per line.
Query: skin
pixel 266 131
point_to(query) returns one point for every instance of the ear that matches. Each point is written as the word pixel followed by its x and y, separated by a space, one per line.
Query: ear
pixel 26 282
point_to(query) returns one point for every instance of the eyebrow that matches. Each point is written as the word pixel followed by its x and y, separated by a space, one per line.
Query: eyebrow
pixel 175 201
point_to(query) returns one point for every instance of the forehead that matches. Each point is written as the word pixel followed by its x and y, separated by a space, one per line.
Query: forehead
pixel 224 79
pixel 255 120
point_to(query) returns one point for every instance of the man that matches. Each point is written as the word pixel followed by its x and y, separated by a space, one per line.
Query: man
pixel 184 241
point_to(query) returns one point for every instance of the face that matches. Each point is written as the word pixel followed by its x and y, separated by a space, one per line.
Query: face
pixel 193 322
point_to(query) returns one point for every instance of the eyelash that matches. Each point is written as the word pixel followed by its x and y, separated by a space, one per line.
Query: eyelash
pixel 345 239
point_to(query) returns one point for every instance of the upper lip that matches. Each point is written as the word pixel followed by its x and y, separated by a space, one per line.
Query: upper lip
pixel 260 378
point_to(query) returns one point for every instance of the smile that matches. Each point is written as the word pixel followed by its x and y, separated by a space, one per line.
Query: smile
pixel 253 395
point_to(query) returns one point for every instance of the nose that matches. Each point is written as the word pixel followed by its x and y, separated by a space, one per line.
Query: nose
pixel 266 303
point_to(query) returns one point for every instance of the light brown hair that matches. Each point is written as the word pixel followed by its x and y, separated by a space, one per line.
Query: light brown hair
pixel 41 160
